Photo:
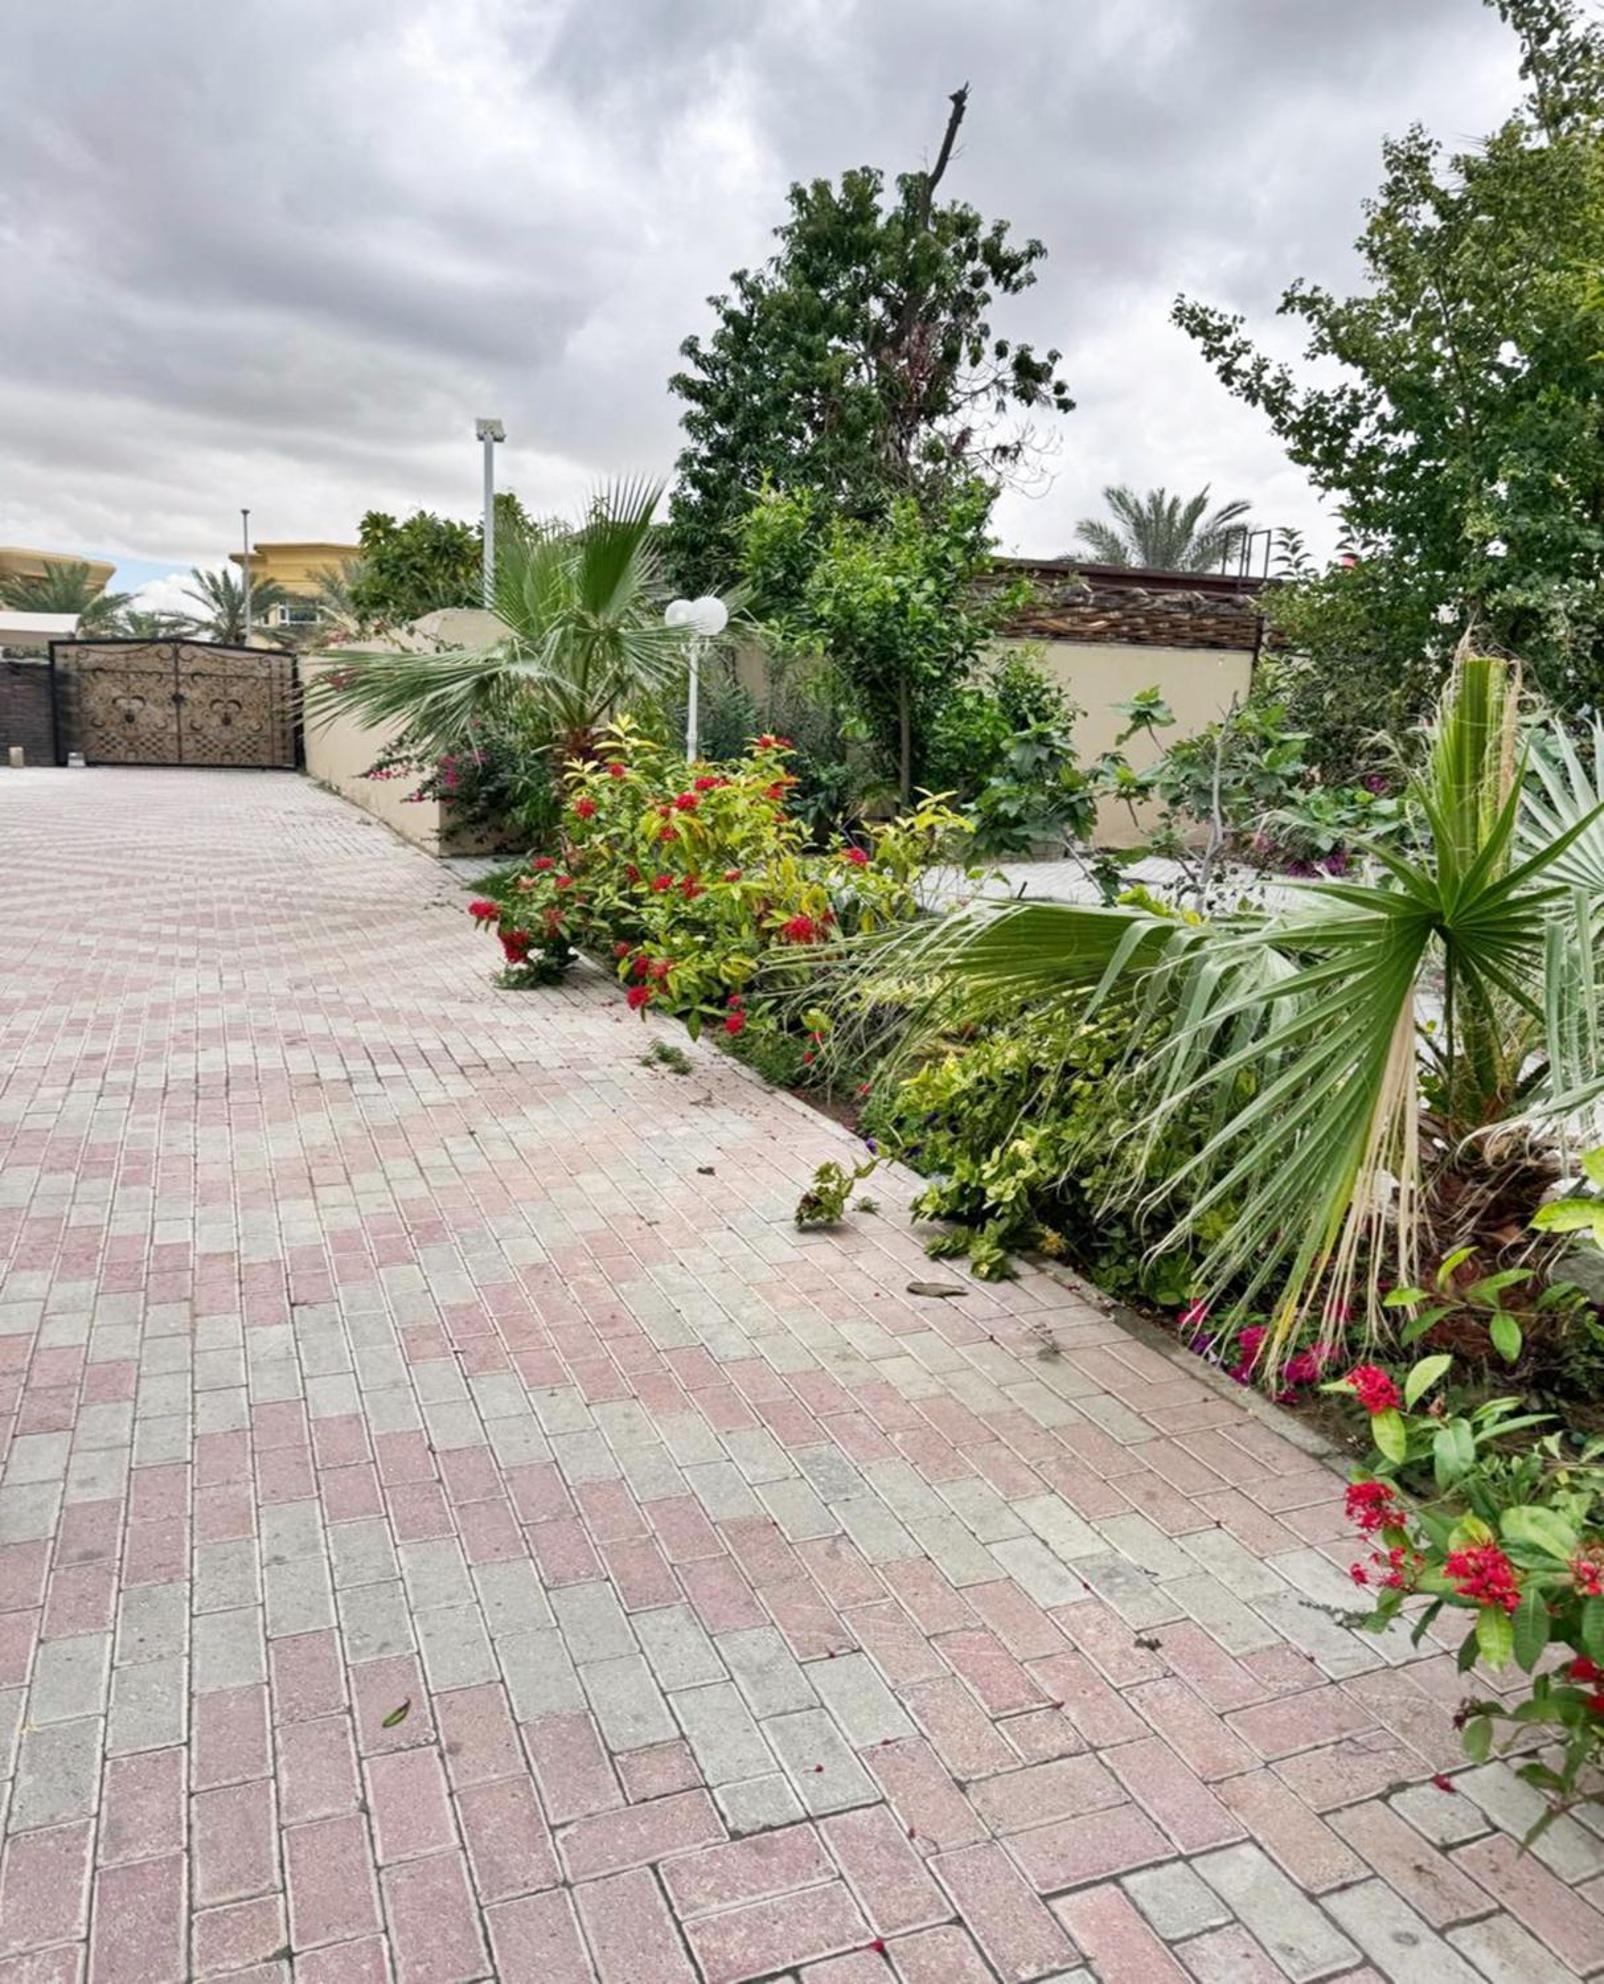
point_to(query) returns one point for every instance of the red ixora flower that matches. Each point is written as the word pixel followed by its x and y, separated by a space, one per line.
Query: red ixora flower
pixel 632 871
pixel 1583 1669
pixel 543 862
pixel 563 881
pixel 659 968
pixel 1588 1572
pixel 1372 1505
pixel 483 911
pixel 515 945
pixel 734 1021
pixel 585 806
pixel 620 950
pixel 1374 1388
pixel 801 930
pixel 662 884
pixel 686 802
pixel 1483 1574
pixel 732 874
pixel 708 783
pixel 667 833
pixel 639 997
pixel 858 856
pixel 690 888
pixel 769 742
pixel 617 768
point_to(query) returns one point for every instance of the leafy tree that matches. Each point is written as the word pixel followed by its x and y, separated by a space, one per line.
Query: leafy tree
pixel 67 587
pixel 890 602
pixel 859 362
pixel 426 563
pixel 220 596
pixel 1464 441
pixel 1162 532
pixel 582 632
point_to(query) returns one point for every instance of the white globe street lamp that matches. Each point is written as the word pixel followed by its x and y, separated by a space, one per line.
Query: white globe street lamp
pixel 705 619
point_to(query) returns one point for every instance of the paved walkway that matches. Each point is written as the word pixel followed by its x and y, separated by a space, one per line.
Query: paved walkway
pixel 453 1522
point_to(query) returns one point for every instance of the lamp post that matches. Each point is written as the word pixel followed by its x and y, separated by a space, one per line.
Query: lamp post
pixel 245 568
pixel 490 432
pixel 705 619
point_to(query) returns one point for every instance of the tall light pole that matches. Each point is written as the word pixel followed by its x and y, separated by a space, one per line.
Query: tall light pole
pixel 490 432
pixel 705 619
pixel 245 568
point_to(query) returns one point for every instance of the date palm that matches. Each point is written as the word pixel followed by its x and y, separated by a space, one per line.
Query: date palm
pixel 332 588
pixel 220 597
pixel 1161 532
pixel 67 587
pixel 581 632
pixel 1347 1137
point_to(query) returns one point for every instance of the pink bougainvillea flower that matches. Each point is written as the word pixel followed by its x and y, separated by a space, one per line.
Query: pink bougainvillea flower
pixel 483 911
pixel 1193 1316
pixel 1375 1389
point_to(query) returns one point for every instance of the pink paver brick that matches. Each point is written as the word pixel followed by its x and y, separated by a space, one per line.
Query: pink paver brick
pixel 333 1891
pixel 571 1767
pixel 926 1799
pixel 1035 1796
pixel 1571 1927
pixel 138 1930
pixel 1122 1948
pixel 1093 1848
pixel 537 1941
pixel 62 1965
pixel 1175 1796
pixel 960 1731
pixel 234 1842
pixel 1191 1729
pixel 768 1863
pixel 434 1926
pixel 44 1887
pixel 364 1962
pixel 307 1675
pixel 940 1956
pixel 142 1804
pixel 630 1931
pixel 229 1736
pixel 883 1870
pixel 378 1689
pixel 1307 1848
pixel 765 1936
pixel 1232 1956
pixel 509 1847
pixel 407 1802
pixel 477 1734
pixel 317 1776
pixel 245 1932
pixel 658 1772
pixel 638 1834
pixel 1002 1913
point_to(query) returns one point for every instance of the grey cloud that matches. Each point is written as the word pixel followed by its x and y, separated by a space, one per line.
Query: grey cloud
pixel 282 254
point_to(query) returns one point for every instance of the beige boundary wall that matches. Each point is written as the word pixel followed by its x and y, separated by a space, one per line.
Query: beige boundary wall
pixel 1197 683
pixel 339 752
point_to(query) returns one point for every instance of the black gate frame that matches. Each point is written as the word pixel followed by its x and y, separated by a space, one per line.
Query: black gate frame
pixel 60 746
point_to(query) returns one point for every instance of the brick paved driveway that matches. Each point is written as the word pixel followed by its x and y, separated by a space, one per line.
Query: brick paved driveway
pixel 454 1527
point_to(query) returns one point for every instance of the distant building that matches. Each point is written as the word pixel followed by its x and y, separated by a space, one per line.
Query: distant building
pixel 295 567
pixel 20 561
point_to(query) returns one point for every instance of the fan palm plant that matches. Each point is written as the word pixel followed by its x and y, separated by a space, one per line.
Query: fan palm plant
pixel 581 632
pixel 221 600
pixel 67 588
pixel 1348 1125
pixel 1162 532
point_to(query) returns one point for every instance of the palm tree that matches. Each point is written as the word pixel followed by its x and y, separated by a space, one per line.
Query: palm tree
pixel 221 598
pixel 1345 1134
pixel 582 631
pixel 67 587
pixel 142 626
pixel 1161 532
pixel 333 586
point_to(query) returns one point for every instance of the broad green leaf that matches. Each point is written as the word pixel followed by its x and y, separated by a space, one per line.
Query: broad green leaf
pixel 1495 1635
pixel 1403 1298
pixel 1494 1284
pixel 1390 1435
pixel 1457 1259
pixel 1469 1530
pixel 1453 1452
pixel 1506 1336
pixel 1531 1628
pixel 1564 1216
pixel 1423 1376
pixel 1478 1738
pixel 1593 1629
pixel 1593 1167
pixel 397 1715
pixel 1541 1530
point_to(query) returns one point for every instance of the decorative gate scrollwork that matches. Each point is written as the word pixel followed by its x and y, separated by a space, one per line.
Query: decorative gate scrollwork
pixel 175 703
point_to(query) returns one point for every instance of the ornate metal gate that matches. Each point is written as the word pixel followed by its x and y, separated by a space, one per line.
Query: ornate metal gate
pixel 175 703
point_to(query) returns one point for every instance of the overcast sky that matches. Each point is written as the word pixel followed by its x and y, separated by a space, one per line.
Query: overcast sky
pixel 282 252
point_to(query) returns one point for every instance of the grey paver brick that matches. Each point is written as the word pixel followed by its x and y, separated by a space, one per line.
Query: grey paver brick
pixel 824 1773
pixel 767 1674
pixel 862 1705
pixel 680 1653
pixel 1396 1940
pixel 70 1678
pixel 58 1774
pixel 627 1702
pixel 541 1679
pixel 229 1650
pixel 1289 1925
pixel 725 1740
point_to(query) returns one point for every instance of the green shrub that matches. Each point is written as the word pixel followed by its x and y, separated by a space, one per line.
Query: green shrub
pixel 1028 1162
